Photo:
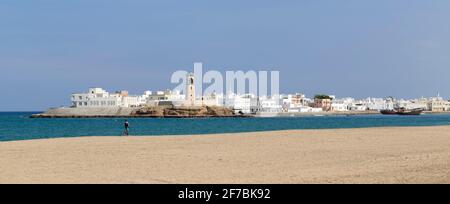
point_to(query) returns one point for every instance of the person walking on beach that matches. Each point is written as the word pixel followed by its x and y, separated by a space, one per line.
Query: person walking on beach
pixel 127 125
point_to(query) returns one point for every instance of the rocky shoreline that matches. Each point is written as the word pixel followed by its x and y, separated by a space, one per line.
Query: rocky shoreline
pixel 181 112
pixel 141 112
pixel 111 116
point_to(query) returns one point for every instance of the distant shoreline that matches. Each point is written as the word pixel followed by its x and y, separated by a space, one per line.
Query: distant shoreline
pixel 141 112
pixel 95 114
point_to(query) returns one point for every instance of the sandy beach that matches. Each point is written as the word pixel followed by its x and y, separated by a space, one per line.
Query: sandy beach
pixel 369 155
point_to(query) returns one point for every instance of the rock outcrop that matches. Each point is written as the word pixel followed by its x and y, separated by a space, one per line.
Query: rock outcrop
pixel 171 111
pixel 148 111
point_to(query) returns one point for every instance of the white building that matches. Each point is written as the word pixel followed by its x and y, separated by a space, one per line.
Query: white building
pixel 166 97
pixel 242 103
pixel 358 106
pixel 342 105
pixel 438 104
pixel 305 109
pixel 270 105
pixel 211 100
pixel 339 107
pixel 376 104
pixel 412 104
pixel 98 97
pixel 294 101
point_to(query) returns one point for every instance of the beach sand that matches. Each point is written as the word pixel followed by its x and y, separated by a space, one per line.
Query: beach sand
pixel 369 155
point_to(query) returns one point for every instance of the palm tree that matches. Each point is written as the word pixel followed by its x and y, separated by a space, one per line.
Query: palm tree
pixel 322 96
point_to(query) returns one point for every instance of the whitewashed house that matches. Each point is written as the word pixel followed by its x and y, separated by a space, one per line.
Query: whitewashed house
pixel 341 105
pixel 246 103
pixel 374 103
pixel 100 98
pixel 438 104
pixel 270 105
pixel 96 97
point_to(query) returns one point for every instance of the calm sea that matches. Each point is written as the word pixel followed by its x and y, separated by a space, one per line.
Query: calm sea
pixel 18 125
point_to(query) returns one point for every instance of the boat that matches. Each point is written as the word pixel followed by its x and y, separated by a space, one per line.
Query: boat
pixel 411 112
pixel 388 112
pixel 402 111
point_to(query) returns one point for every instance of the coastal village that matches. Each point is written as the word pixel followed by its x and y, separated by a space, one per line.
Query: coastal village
pixel 250 104
pixel 224 101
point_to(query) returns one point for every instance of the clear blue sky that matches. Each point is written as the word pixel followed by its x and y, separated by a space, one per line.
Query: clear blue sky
pixel 51 48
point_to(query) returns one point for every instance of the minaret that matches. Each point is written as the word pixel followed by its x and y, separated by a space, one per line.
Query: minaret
pixel 190 89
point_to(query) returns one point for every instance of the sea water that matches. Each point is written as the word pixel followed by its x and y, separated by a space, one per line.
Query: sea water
pixel 18 125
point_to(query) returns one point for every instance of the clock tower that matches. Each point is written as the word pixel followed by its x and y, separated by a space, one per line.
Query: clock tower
pixel 190 89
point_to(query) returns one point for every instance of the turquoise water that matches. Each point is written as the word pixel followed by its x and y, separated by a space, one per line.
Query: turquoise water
pixel 18 125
